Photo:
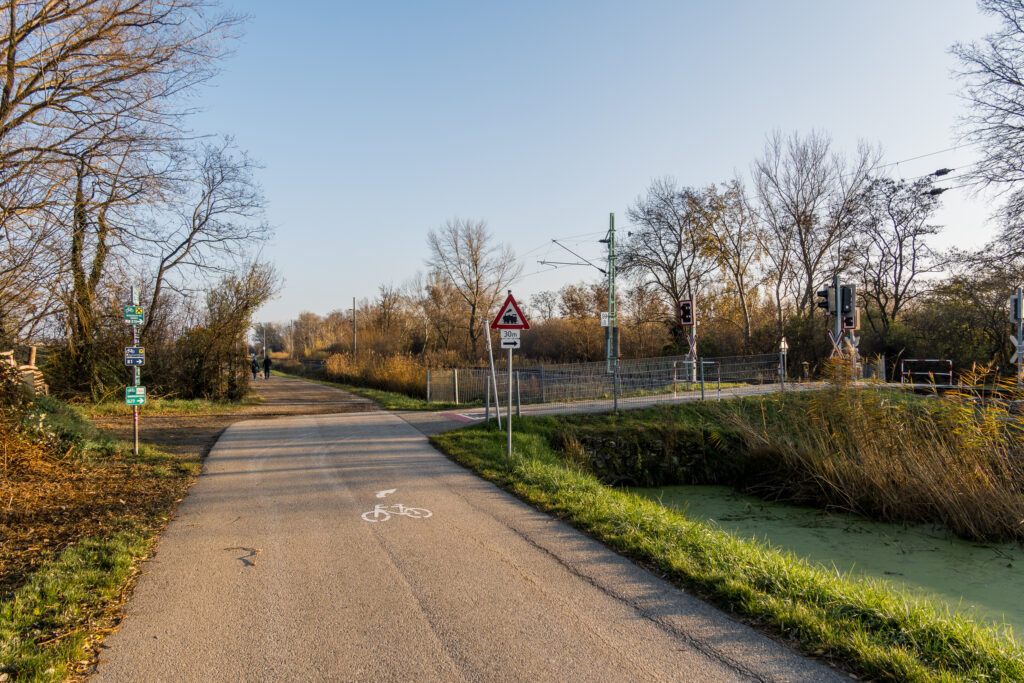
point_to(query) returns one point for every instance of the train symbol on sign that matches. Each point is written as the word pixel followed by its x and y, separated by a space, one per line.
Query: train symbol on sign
pixel 510 317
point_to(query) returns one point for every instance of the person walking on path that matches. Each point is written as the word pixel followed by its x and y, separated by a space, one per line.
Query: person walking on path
pixel 266 367
pixel 255 365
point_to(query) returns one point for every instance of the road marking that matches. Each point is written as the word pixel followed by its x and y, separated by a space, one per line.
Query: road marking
pixel 382 513
pixel 463 417
pixel 385 492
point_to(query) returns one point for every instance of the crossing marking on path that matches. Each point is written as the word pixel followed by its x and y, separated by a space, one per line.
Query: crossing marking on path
pixel 463 417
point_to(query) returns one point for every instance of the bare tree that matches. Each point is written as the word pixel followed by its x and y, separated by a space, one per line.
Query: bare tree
pixel 737 249
pixel 388 305
pixel 211 220
pixel 74 70
pixel 671 244
pixel 807 197
pixel 893 253
pixel 992 72
pixel 90 106
pixel 545 304
pixel 464 252
pixel 438 305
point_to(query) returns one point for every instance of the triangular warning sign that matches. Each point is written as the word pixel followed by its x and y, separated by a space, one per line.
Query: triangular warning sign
pixel 510 317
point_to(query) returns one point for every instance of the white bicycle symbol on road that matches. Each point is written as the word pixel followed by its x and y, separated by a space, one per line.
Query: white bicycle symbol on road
pixel 382 513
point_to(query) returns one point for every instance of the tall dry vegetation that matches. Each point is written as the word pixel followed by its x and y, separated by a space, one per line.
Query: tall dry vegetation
pixel 400 373
pixel 895 458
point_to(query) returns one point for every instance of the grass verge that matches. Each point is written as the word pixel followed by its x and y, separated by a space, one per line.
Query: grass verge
pixel 171 406
pixel 866 627
pixel 388 400
pixel 49 623
pixel 78 510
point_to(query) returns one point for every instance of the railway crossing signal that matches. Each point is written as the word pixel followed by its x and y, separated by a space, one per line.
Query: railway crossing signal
pixel 828 300
pixel 686 312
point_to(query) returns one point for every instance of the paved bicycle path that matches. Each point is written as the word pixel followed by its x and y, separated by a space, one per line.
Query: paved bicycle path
pixel 269 572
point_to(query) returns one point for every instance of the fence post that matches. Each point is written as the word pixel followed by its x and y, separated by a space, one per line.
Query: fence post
pixel 519 411
pixel 487 401
pixel 543 390
pixel 455 381
pixel 428 385
pixel 615 384
pixel 881 368
pixel 701 361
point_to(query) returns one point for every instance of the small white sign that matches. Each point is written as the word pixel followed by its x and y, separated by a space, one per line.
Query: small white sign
pixel 510 343
pixel 604 318
pixel 510 334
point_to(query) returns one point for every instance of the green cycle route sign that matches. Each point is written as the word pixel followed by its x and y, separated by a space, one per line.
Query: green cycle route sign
pixel 133 315
pixel 135 396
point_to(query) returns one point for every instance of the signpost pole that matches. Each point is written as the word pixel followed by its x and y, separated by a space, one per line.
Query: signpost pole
pixel 1020 336
pixel 511 321
pixel 494 375
pixel 136 372
pixel 510 401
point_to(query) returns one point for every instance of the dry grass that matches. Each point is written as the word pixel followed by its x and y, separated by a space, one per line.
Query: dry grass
pixel 398 373
pixel 957 460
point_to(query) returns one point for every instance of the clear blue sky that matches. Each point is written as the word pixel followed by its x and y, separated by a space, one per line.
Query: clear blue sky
pixel 376 121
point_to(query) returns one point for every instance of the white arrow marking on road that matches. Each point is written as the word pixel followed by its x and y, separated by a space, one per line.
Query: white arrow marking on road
pixel 382 494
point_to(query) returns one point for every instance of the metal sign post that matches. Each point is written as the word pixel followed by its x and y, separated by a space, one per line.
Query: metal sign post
pixel 135 357
pixel 494 377
pixel 510 320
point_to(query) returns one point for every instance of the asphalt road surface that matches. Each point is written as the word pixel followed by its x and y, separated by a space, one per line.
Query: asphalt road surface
pixel 272 571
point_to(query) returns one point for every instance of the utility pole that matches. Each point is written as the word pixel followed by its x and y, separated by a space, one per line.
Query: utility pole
pixel 353 326
pixel 611 329
pixel 264 326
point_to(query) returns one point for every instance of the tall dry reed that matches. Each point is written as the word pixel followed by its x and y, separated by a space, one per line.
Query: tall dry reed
pixel 957 460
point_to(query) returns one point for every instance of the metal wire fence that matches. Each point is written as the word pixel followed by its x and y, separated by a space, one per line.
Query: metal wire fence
pixel 588 387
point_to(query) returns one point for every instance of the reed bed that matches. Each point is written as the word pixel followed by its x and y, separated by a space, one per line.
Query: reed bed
pixel 957 460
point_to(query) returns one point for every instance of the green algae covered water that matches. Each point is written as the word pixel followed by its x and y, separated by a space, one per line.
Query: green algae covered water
pixel 985 580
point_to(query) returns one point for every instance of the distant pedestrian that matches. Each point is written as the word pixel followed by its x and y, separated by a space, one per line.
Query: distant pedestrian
pixel 266 367
pixel 255 365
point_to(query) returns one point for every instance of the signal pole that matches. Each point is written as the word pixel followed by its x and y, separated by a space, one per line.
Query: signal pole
pixel 837 324
pixel 611 329
pixel 1019 310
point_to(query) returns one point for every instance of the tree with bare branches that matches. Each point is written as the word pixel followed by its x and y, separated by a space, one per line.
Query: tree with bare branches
pixel 892 252
pixel 736 247
pixel 671 244
pixel 465 254
pixel 992 73
pixel 212 219
pixel 807 199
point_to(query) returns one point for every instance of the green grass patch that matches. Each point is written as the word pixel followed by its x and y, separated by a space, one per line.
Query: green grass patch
pixel 388 400
pixel 46 624
pixel 170 406
pixel 65 576
pixel 867 627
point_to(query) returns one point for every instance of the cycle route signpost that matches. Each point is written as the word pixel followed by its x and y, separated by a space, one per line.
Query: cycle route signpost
pixel 135 358
pixel 510 321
